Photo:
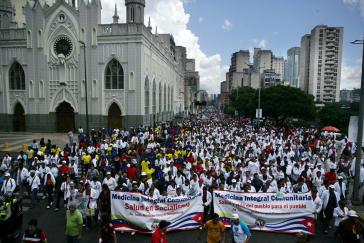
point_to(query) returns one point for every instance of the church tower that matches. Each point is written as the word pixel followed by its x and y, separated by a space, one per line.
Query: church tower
pixel 135 11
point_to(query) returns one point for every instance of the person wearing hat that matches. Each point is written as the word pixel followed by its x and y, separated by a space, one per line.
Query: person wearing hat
pixel 160 234
pixel 33 234
pixel 34 183
pixel 9 185
pixel 110 181
pixel 340 187
pixel 329 202
pixel 240 232
pixel 350 230
pixel 234 187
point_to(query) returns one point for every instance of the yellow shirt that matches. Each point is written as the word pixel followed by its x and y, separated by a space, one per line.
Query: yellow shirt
pixel 145 164
pixel 214 231
pixel 86 159
pixel 150 172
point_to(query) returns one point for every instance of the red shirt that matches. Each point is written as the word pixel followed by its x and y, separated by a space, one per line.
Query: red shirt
pixel 159 237
pixel 64 169
pixel 132 173
pixel 330 177
pixel 37 236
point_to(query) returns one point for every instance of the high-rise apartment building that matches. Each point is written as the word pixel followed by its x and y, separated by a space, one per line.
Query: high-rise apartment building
pixel 304 63
pixel 278 67
pixel 324 64
pixel 293 58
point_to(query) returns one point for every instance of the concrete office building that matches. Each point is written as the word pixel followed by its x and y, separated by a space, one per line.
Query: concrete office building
pixel 304 63
pixel 238 68
pixel 278 66
pixel 293 58
pixel 134 77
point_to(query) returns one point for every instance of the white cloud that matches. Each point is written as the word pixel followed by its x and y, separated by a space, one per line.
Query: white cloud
pixel 200 20
pixel 227 25
pixel 356 4
pixel 260 43
pixel 170 17
pixel 350 75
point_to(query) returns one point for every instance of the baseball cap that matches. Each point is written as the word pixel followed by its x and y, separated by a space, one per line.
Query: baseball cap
pixel 144 174
pixel 235 216
pixel 332 186
pixel 233 181
pixel 7 174
pixel 108 173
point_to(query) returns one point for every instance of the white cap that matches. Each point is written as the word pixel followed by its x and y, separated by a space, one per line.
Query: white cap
pixel 332 186
pixel 235 216
pixel 352 213
pixel 108 173
pixel 128 165
pixel 340 177
pixel 7 174
pixel 233 181
pixel 144 174
pixel 64 162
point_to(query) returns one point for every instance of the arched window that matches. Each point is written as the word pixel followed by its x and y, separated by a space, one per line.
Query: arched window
pixel 114 75
pixel 154 98
pixel 31 89
pixel 29 39
pixel 94 37
pixel 165 97
pixel 146 96
pixel 160 97
pixel 41 89
pixel 17 77
pixel 40 39
pixel 94 88
pixel 131 81
pixel 83 89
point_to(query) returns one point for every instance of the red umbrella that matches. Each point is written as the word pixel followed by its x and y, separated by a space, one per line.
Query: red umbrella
pixel 330 129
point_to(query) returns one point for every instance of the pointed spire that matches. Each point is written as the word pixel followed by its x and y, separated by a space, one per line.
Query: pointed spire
pixel 149 25
pixel 156 30
pixel 116 16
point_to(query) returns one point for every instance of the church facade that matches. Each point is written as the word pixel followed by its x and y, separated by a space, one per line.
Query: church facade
pixel 132 76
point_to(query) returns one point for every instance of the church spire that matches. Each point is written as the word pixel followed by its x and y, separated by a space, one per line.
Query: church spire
pixel 116 16
pixel 149 25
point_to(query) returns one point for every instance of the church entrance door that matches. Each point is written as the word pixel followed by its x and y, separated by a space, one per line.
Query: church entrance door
pixel 65 117
pixel 114 116
pixel 19 118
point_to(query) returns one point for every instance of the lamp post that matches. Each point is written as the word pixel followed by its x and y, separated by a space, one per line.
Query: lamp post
pixel 359 141
pixel 86 93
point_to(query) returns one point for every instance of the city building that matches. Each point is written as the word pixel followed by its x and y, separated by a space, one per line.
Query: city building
pixel 263 60
pixel 278 66
pixel 238 68
pixel 324 64
pixel 304 63
pixel 270 78
pixel 133 76
pixel 293 58
pixel 224 95
pixel 350 95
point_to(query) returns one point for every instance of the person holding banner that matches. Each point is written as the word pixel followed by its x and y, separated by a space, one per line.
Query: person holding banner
pixel 240 231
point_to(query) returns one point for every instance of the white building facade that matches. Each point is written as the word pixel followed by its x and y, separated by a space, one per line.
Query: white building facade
pixel 133 78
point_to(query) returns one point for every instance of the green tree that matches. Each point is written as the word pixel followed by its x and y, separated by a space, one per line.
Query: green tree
pixel 282 102
pixel 244 100
pixel 338 115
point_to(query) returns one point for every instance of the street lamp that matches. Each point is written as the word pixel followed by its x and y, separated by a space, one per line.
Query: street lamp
pixel 86 95
pixel 359 141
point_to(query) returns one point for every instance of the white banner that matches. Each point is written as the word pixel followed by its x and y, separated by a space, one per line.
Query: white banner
pixel 284 213
pixel 137 212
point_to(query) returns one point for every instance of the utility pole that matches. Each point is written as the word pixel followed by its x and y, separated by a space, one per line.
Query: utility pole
pixel 86 89
pixel 359 141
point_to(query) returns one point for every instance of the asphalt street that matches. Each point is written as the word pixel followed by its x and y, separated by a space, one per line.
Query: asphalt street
pixel 54 224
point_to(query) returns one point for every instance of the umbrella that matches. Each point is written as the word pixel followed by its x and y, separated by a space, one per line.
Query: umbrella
pixel 330 129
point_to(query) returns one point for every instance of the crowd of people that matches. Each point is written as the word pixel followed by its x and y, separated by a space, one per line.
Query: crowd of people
pixel 201 154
